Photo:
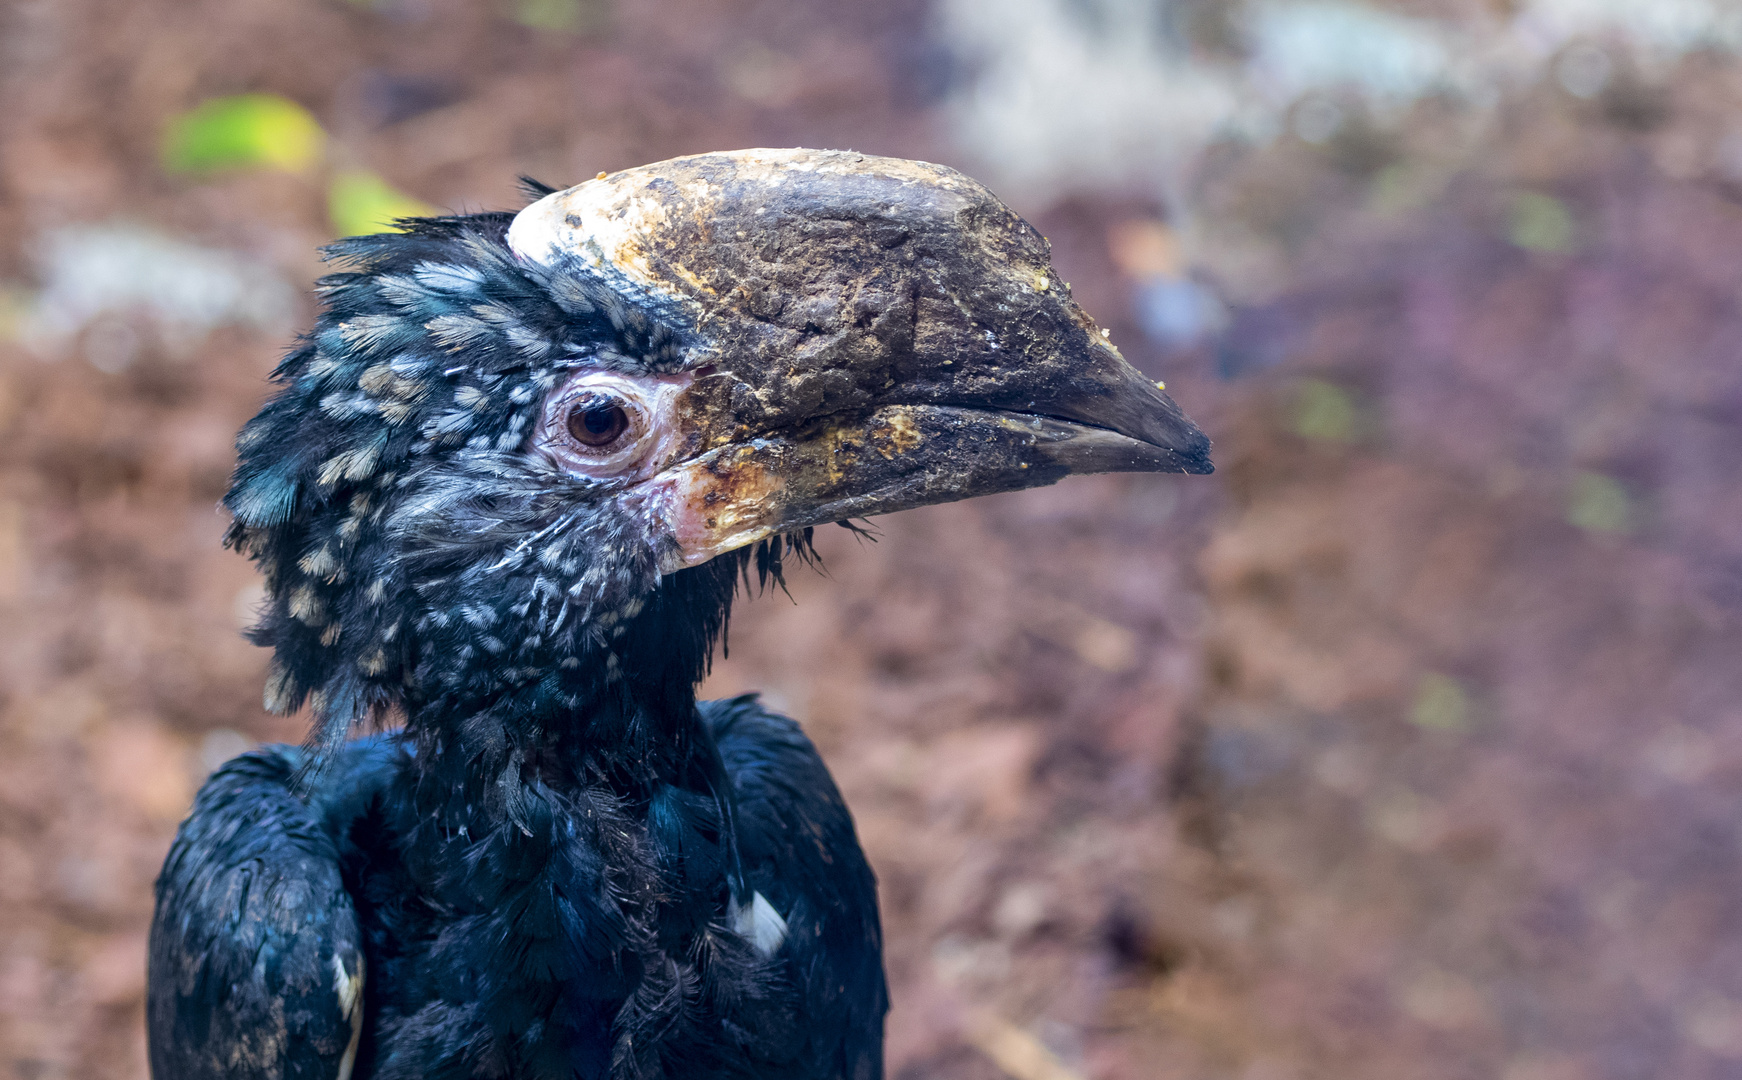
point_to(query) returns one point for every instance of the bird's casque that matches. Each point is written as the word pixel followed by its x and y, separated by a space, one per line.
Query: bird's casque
pixel 505 495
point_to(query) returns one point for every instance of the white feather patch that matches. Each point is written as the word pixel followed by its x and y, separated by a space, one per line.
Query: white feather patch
pixel 350 990
pixel 760 925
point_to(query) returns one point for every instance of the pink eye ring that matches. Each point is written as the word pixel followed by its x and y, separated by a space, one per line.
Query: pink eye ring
pixel 610 426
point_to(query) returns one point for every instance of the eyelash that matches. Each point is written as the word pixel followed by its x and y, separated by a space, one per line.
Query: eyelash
pixel 597 422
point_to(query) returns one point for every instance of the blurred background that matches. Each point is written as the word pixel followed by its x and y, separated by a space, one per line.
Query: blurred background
pixel 1407 745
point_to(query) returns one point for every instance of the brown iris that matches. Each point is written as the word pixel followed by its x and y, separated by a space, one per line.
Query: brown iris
pixel 598 424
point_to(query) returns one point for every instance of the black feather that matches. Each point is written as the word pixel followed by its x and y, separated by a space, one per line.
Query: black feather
pixel 535 189
pixel 542 869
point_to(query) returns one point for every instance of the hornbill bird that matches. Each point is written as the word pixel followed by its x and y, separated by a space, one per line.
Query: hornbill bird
pixel 502 500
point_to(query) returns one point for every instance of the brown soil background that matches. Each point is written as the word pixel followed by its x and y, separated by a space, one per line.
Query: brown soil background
pixel 1142 763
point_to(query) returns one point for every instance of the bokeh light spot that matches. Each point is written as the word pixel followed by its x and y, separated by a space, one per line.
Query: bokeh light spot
pixel 1324 410
pixel 1715 1026
pixel 1583 70
pixel 1599 503
pixel 1540 222
pixel 1440 704
pixel 16 303
pixel 560 16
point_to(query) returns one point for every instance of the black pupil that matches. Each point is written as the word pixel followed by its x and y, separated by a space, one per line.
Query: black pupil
pixel 598 425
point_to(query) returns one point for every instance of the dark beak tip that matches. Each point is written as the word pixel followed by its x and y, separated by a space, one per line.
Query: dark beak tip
pixel 1169 429
pixel 1193 458
pixel 1197 455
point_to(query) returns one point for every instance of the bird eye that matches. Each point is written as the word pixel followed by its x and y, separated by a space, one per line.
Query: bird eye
pixel 607 425
pixel 597 424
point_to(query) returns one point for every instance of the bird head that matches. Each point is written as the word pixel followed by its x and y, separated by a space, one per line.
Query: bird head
pixel 540 449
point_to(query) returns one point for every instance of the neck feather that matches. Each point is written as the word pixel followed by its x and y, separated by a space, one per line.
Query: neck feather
pixel 623 713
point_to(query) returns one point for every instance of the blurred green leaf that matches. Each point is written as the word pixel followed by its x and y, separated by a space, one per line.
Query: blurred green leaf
pixel 1540 223
pixel 360 202
pixel 1404 187
pixel 1394 191
pixel 562 16
pixel 1440 704
pixel 246 131
pixel 1324 410
pixel 1598 503
pixel 16 304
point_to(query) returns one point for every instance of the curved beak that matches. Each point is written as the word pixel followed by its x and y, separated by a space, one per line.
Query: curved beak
pixel 868 334
pixel 895 458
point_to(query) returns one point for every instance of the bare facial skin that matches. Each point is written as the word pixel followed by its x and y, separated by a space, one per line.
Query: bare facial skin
pixel 607 426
